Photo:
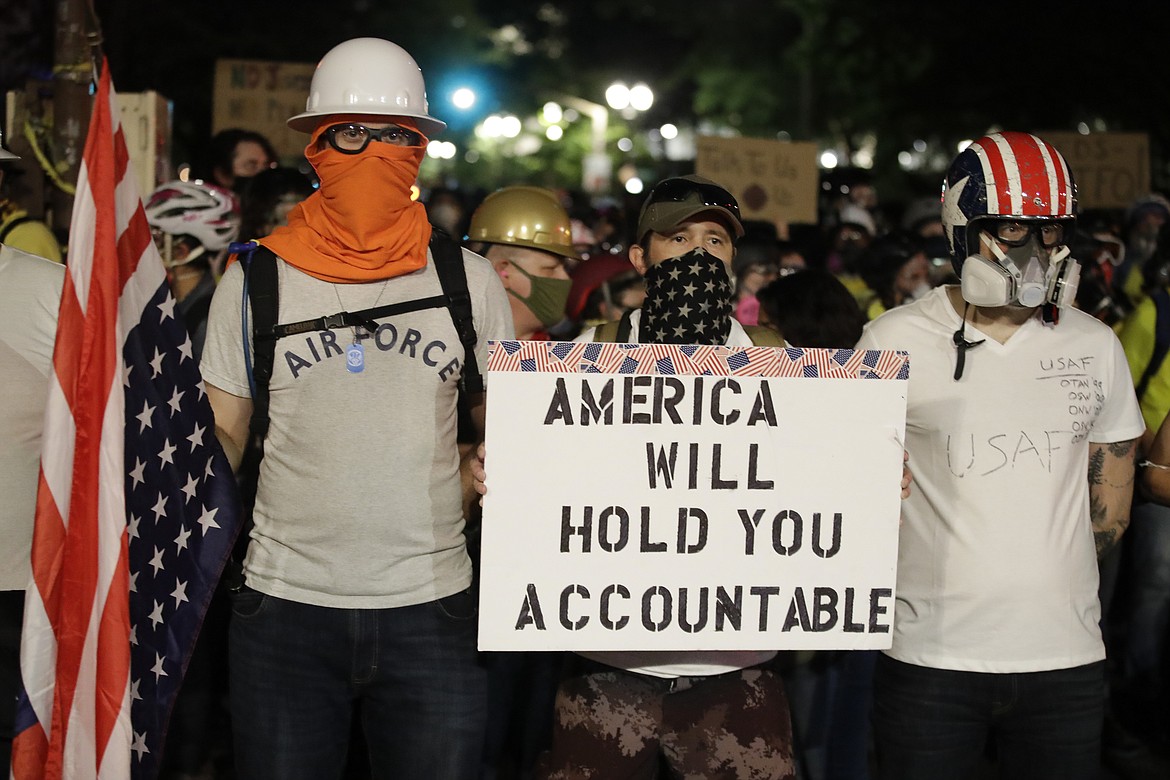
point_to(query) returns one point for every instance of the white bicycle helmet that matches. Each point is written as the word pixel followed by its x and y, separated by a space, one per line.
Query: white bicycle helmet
pixel 206 213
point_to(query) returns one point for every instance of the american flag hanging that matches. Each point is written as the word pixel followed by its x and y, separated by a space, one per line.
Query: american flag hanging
pixel 136 506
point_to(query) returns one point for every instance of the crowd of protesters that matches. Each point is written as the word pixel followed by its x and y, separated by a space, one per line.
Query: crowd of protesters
pixel 1085 664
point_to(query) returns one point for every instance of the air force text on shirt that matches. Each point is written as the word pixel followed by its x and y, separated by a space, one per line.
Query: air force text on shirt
pixel 411 344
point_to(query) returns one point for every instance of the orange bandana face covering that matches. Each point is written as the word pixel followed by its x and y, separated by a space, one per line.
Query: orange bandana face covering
pixel 361 225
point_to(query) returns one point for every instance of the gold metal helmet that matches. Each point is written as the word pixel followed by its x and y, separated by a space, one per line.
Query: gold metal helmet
pixel 524 216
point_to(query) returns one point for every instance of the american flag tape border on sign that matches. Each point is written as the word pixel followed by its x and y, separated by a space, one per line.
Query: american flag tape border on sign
pixel 565 357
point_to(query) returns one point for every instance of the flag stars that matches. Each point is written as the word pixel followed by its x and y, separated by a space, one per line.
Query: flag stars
pixel 690 289
pixel 158 668
pixel 191 487
pixel 133 582
pixel 156 562
pixel 185 352
pixel 126 369
pixel 137 474
pixel 181 539
pixel 159 508
pixel 207 519
pixel 168 452
pixel 201 388
pixel 167 307
pixel 196 437
pixel 144 416
pixel 156 364
pixel 156 615
pixel 132 526
pixel 134 694
pixel 209 469
pixel 139 745
pixel 179 594
pixel 176 398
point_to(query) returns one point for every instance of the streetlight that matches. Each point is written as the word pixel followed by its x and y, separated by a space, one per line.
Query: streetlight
pixel 629 100
pixel 463 98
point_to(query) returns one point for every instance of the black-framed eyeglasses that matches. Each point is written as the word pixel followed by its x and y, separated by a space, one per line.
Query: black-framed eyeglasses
pixel 683 190
pixel 351 138
pixel 1049 233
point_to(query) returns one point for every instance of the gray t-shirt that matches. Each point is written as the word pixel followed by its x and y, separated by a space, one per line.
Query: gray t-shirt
pixel 359 502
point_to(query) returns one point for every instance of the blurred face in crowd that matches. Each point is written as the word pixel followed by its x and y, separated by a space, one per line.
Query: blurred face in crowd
pixel 913 277
pixel 755 277
pixel 249 159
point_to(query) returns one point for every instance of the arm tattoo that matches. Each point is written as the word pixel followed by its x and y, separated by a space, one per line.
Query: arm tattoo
pixel 1103 537
pixel 1121 449
pixel 1107 530
pixel 1096 467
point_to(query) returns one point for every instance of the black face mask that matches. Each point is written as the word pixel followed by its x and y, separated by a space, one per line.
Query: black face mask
pixel 688 301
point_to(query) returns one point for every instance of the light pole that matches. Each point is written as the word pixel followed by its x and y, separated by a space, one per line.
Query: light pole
pixel 597 167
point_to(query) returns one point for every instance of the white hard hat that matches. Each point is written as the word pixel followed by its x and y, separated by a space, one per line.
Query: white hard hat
pixel 4 153
pixel 367 76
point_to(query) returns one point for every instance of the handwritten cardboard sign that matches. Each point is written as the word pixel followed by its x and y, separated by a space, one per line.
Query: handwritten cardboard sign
pixel 261 95
pixel 774 181
pixel 644 497
pixel 1111 170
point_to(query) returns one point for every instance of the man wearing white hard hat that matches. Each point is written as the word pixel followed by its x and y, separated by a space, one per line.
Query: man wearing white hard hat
pixel 355 603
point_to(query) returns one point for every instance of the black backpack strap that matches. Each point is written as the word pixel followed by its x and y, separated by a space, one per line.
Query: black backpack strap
pixel 1161 300
pixel 14 224
pixel 366 318
pixel 262 291
pixel 448 257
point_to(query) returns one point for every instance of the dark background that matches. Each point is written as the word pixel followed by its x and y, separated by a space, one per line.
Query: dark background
pixel 825 70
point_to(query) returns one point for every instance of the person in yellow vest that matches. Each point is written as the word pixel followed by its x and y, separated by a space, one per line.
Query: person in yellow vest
pixel 18 229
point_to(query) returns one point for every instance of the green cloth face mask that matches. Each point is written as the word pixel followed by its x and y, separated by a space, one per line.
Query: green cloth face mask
pixel 547 298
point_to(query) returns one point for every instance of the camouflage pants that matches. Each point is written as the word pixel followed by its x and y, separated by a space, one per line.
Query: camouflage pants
pixel 615 725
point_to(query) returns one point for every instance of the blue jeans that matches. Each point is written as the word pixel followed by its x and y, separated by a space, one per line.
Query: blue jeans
pixel 300 673
pixel 933 724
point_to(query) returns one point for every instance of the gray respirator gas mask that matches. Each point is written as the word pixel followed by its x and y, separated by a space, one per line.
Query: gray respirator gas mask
pixel 1035 269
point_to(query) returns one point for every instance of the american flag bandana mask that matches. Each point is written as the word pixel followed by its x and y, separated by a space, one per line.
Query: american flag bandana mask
pixel 688 301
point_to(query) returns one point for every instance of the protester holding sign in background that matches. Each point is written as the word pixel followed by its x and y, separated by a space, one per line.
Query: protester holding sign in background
pixel 1021 421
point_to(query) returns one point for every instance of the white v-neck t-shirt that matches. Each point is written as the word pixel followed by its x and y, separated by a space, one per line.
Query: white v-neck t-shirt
pixel 997 566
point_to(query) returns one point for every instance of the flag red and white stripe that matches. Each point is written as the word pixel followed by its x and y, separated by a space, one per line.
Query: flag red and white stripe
pixel 83 636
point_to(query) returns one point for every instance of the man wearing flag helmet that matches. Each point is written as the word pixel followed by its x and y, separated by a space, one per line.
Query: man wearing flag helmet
pixel 1021 420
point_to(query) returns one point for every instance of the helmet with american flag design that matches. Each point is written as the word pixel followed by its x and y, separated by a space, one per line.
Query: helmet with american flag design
pixel 1008 175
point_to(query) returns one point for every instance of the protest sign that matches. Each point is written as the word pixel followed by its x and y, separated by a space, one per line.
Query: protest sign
pixel 261 95
pixel 774 181
pixel 647 497
pixel 1112 170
